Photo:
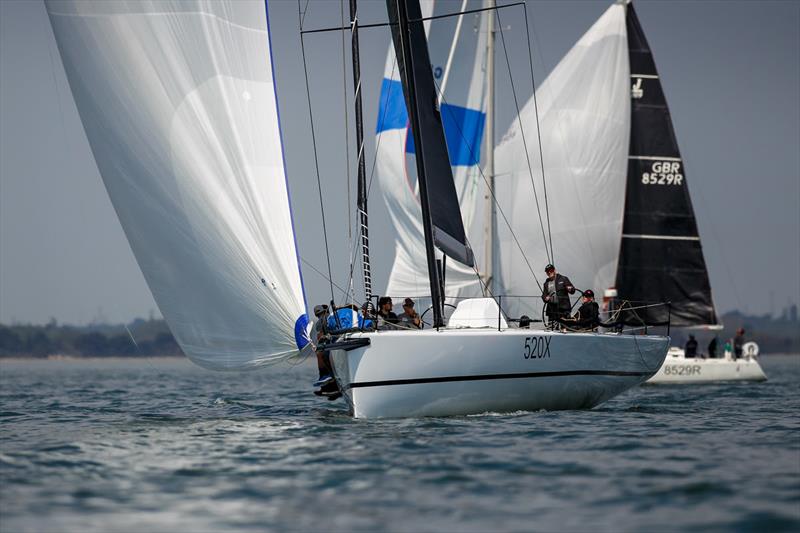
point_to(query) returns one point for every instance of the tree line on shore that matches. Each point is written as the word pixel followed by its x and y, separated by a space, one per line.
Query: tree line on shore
pixel 139 338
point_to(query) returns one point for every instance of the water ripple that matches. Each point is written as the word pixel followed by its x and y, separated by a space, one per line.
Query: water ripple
pixel 122 446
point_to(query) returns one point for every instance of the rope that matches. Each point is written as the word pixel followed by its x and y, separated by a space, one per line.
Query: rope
pixel 301 16
pixel 494 198
pixel 522 134
pixel 560 128
pixel 322 274
pixel 351 291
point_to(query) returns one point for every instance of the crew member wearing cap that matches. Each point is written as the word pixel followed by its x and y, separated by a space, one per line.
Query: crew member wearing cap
pixel 386 318
pixel 555 294
pixel 326 382
pixel 410 318
pixel 588 314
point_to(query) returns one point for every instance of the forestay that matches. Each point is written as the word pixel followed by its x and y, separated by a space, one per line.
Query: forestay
pixel 178 102
pixel 584 113
pixel 463 114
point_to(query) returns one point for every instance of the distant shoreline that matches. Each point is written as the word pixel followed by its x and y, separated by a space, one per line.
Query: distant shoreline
pixel 23 358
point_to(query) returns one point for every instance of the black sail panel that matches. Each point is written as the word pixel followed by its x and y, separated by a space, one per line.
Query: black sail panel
pixel 661 258
pixel 448 228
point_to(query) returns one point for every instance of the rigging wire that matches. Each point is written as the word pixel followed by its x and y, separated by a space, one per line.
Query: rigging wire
pixel 522 133
pixel 491 191
pixel 538 129
pixel 374 163
pixel 350 219
pixel 301 16
pixel 563 136
pixel 322 274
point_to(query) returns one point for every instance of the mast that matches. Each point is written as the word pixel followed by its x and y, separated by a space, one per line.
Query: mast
pixel 363 218
pixel 413 112
pixel 489 221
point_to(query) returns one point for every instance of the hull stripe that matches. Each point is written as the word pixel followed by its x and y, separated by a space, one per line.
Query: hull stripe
pixel 484 377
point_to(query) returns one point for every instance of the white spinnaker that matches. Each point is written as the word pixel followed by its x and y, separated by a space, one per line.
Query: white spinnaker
pixel 177 99
pixel 584 113
pixel 466 89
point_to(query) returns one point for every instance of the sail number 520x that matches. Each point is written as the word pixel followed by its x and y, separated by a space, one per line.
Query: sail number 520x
pixel 536 347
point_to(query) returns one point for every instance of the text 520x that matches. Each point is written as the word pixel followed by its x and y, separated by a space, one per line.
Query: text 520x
pixel 536 347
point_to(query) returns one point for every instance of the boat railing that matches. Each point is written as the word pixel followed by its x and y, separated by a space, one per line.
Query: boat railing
pixel 522 311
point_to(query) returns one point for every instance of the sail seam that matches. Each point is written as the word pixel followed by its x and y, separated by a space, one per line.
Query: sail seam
pixel 661 237
pixel 655 158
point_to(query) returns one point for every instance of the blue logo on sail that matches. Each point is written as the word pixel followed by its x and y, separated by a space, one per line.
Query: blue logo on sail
pixel 463 127
pixel 301 331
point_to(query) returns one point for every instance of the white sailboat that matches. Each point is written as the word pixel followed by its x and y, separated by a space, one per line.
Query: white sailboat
pixel 477 363
pixel 179 105
pixel 632 230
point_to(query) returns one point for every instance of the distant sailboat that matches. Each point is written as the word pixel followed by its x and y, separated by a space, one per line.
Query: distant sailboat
pixel 661 254
pixel 623 214
pixel 179 105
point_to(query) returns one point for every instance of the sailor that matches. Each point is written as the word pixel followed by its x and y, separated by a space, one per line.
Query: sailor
pixel 409 319
pixel 738 342
pixel 712 347
pixel 588 314
pixel 690 349
pixel 386 318
pixel 326 382
pixel 555 294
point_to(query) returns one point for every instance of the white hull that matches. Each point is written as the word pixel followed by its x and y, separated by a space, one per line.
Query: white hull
pixel 679 369
pixel 471 371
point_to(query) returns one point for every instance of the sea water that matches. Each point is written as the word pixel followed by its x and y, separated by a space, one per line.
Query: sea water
pixel 162 445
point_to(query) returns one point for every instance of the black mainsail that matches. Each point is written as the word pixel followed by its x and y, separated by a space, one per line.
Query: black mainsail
pixel 660 255
pixel 441 214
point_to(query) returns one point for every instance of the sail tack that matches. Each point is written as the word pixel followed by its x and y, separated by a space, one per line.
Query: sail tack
pixel 584 116
pixel 178 101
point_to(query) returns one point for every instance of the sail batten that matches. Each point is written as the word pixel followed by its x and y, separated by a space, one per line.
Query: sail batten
pixel 178 102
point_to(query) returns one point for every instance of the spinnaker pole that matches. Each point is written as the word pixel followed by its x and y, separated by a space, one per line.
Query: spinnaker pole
pixel 363 218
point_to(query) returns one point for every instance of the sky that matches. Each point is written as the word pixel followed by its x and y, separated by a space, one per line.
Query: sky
pixel 730 71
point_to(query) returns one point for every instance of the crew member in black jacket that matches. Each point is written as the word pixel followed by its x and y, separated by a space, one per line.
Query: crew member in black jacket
pixel 555 294
pixel 588 314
